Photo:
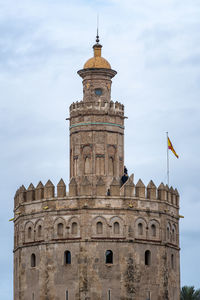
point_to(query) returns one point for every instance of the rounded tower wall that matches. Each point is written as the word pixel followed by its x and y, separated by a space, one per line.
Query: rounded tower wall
pixel 88 245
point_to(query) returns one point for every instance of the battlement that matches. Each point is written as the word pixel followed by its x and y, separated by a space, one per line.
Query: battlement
pixel 163 192
pixel 128 190
pixel 94 107
pixel 39 192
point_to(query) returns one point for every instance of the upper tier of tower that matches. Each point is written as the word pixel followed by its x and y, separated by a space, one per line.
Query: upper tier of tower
pixel 97 75
pixel 96 127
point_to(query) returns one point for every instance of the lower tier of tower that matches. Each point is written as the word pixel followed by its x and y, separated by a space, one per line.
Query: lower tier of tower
pixel 93 270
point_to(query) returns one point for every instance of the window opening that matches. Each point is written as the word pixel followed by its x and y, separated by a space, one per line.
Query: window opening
pixel 67 296
pixel 74 228
pixel 67 257
pixel 109 294
pixel 39 231
pixel 147 258
pixel 148 296
pixel 168 235
pixel 33 260
pixel 153 230
pixel 60 229
pixel 99 228
pixel 140 229
pixel 173 235
pixel 172 261
pixel 29 232
pixel 109 257
pixel 98 92
pixel 33 296
pixel 116 228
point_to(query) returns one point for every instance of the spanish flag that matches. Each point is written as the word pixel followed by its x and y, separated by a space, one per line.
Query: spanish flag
pixel 170 146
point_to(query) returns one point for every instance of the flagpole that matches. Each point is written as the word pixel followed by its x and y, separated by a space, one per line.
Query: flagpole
pixel 167 160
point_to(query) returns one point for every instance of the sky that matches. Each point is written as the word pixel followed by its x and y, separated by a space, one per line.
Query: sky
pixel 155 48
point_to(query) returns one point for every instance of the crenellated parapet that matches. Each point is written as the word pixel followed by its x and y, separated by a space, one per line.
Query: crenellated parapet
pixel 140 191
pixel 96 108
pixel 136 191
pixel 40 192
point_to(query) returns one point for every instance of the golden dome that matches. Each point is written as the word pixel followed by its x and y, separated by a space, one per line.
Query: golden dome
pixel 97 61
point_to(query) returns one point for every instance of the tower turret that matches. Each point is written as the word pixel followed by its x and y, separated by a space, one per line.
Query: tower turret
pixel 96 126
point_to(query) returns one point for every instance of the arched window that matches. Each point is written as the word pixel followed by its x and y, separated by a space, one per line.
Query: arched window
pixel 39 231
pixel 140 229
pixel 67 257
pixel 116 228
pixel 153 230
pixel 173 235
pixel 74 228
pixel 147 258
pixel 99 228
pixel 29 232
pixel 60 229
pixel 33 260
pixel 168 233
pixel 109 257
pixel 172 261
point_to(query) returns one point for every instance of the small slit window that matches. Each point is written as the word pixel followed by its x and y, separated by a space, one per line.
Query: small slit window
pixel 140 229
pixel 109 294
pixel 116 228
pixel 109 257
pixel 147 258
pixel 153 230
pixel 173 235
pixel 168 233
pixel 172 261
pixel 67 257
pixel 67 295
pixel 99 228
pixel 33 260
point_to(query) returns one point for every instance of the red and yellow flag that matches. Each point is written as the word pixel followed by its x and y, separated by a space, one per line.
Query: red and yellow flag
pixel 170 146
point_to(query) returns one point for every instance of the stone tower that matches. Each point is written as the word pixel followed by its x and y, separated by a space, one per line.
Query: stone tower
pixel 105 238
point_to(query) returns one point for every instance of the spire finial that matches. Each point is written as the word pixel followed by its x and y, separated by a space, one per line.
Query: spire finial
pixel 97 37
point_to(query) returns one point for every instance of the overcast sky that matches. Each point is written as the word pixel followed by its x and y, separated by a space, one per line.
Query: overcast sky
pixel 154 45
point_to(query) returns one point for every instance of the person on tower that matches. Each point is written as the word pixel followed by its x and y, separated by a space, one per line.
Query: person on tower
pixel 125 176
